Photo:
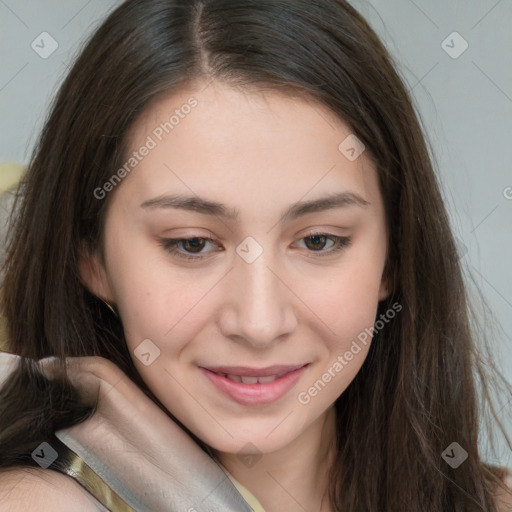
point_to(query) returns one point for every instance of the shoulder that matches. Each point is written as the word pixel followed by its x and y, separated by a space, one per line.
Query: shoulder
pixel 23 489
pixel 504 498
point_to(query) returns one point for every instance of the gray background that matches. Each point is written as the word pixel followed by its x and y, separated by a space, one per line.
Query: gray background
pixel 465 104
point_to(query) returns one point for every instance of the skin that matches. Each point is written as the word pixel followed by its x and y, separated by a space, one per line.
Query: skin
pixel 257 152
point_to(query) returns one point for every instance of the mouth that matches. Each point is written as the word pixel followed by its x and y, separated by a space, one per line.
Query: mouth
pixel 253 386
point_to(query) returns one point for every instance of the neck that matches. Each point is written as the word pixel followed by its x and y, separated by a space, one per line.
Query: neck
pixel 294 477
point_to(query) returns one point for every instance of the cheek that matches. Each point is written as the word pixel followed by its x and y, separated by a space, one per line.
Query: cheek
pixel 346 301
pixel 140 290
pixel 344 348
pixel 137 271
pixel 345 310
pixel 159 304
pixel 349 314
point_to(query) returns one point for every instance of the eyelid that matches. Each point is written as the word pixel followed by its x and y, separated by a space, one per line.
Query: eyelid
pixel 169 244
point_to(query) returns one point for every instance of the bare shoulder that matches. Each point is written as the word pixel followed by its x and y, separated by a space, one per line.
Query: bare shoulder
pixel 23 489
pixel 504 498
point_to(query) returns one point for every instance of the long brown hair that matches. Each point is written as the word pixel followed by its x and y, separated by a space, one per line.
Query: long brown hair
pixel 416 392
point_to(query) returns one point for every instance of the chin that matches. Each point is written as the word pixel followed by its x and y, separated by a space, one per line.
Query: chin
pixel 256 443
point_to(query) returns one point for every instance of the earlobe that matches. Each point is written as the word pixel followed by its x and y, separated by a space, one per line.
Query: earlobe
pixel 93 275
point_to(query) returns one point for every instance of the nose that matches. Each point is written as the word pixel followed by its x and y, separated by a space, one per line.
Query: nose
pixel 258 306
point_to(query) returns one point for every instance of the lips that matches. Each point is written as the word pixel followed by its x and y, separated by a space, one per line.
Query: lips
pixel 254 386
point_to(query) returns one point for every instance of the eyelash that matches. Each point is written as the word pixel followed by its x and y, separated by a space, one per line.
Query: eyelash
pixel 170 245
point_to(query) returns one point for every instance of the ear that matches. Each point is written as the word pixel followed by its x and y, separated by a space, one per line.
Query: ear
pixel 384 290
pixel 94 276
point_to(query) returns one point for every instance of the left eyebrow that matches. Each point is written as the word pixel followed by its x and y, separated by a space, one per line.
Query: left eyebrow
pixel 208 207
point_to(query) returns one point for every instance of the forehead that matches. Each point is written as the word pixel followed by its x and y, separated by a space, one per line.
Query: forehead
pixel 237 145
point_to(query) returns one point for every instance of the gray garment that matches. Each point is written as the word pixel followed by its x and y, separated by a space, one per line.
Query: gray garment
pixel 133 447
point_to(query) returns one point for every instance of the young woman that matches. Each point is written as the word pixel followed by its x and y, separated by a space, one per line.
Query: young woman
pixel 232 204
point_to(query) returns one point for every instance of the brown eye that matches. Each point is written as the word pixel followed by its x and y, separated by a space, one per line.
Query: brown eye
pixel 193 244
pixel 187 248
pixel 317 242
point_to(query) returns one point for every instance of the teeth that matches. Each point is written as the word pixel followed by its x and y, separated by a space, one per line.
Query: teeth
pixel 251 380
pixel 265 380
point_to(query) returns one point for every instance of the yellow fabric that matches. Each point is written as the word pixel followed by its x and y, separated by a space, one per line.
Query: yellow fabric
pixel 74 466
pixel 10 174
pixel 248 496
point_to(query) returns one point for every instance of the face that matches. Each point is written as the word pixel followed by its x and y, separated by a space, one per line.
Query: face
pixel 221 251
